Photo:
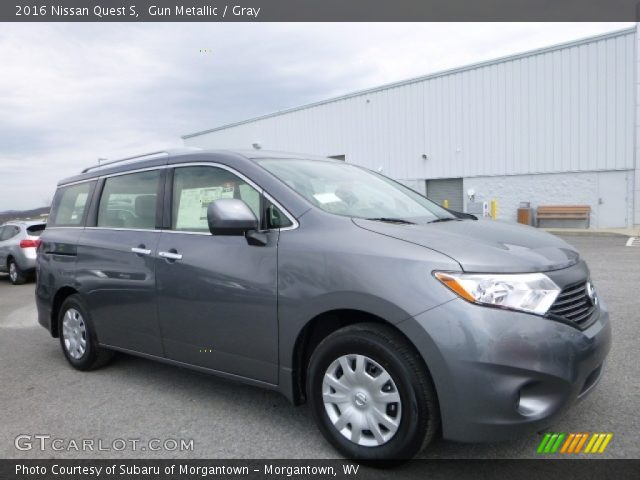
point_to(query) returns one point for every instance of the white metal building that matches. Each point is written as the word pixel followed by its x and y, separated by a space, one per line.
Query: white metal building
pixel 557 125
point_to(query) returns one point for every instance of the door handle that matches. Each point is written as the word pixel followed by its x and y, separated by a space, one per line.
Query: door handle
pixel 170 255
pixel 140 251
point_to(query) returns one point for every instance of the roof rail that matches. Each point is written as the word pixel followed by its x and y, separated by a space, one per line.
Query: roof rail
pixel 140 157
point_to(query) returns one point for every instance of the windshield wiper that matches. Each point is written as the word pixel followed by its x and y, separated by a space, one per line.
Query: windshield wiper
pixel 391 220
pixel 444 220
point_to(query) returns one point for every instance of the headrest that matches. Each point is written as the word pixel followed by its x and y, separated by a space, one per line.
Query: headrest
pixel 146 206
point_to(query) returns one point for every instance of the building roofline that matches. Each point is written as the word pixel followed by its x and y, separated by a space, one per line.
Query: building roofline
pixel 442 73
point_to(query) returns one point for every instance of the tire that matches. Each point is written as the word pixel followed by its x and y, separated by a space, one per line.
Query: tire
pixel 415 418
pixel 16 275
pixel 77 336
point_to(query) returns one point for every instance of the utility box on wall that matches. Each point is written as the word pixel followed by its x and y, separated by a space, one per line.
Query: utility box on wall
pixel 525 213
pixel 478 208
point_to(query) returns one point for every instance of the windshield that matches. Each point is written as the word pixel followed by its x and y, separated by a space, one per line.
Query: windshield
pixel 352 191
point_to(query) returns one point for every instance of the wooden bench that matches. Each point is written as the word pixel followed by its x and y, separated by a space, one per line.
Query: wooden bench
pixel 563 212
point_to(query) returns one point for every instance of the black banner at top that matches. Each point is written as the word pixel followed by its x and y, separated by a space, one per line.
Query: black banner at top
pixel 315 10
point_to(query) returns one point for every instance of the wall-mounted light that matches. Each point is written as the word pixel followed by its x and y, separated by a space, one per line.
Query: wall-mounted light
pixel 256 145
pixel 471 193
pixel 424 156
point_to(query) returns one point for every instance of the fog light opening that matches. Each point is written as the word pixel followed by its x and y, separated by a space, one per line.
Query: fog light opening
pixel 533 400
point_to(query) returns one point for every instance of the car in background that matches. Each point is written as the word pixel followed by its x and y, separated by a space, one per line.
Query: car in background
pixel 18 243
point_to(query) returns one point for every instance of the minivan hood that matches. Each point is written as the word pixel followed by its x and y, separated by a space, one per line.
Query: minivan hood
pixel 484 245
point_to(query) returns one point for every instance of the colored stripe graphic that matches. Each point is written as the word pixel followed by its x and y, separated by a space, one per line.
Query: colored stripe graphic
pixel 556 445
pixel 598 443
pixel 581 443
pixel 568 442
pixel 590 444
pixel 551 442
pixel 605 444
pixel 543 443
pixel 574 443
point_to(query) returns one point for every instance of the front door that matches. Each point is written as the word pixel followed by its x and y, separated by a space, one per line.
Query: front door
pixel 217 295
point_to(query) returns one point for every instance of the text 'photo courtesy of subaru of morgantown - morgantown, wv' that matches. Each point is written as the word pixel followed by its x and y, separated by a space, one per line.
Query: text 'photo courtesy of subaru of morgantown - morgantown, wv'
pixel 394 318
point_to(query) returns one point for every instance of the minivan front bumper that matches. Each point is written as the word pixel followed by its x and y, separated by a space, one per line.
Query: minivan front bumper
pixel 501 374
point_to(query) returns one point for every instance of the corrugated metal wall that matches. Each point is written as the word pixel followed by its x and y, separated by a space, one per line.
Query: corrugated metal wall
pixel 569 108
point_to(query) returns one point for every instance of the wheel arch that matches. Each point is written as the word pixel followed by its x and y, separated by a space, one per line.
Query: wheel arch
pixel 61 295
pixel 317 329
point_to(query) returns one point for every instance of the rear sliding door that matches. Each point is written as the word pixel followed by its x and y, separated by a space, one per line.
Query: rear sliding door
pixel 116 264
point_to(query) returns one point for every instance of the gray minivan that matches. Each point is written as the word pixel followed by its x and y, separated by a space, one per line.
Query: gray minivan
pixel 395 318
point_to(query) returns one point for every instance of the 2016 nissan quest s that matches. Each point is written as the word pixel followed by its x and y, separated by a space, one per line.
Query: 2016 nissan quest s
pixel 392 316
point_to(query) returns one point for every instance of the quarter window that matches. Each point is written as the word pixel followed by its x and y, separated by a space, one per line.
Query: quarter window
pixel 276 218
pixel 130 201
pixel 8 232
pixel 194 188
pixel 12 232
pixel 70 205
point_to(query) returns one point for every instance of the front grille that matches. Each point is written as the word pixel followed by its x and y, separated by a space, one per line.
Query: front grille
pixel 573 304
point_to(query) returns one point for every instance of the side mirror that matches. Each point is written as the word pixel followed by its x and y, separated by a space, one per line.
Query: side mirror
pixel 230 216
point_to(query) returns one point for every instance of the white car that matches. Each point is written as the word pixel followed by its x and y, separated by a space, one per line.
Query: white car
pixel 18 243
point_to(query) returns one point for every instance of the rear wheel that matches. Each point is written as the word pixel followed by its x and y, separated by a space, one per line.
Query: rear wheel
pixel 371 394
pixel 77 336
pixel 16 275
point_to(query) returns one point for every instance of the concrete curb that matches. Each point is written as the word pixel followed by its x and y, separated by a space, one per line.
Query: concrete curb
pixel 593 232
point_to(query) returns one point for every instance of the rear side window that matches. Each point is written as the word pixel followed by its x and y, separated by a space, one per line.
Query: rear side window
pixel 130 201
pixel 70 205
pixel 36 230
pixel 12 231
pixel 9 232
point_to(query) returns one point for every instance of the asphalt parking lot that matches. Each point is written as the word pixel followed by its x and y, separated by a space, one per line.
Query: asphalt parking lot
pixel 134 398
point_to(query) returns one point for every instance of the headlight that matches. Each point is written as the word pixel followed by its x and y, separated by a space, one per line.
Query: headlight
pixel 528 292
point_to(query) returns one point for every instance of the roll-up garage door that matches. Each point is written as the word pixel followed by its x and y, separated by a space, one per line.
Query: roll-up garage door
pixel 446 189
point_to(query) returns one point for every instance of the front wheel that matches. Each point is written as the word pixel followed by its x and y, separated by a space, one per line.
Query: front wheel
pixel 371 394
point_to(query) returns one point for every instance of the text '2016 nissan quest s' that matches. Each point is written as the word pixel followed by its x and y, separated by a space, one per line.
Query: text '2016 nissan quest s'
pixel 332 284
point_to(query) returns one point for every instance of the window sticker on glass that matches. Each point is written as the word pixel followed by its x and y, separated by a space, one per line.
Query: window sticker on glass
pixel 328 197
pixel 192 212
pixel 251 197
pixel 81 199
pixel 78 208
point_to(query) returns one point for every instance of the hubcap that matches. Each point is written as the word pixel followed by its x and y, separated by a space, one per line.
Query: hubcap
pixel 13 272
pixel 361 400
pixel 74 333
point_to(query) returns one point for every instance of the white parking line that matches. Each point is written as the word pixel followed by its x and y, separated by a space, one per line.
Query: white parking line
pixel 23 317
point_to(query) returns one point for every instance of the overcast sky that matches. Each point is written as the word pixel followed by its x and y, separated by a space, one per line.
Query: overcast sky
pixel 70 93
